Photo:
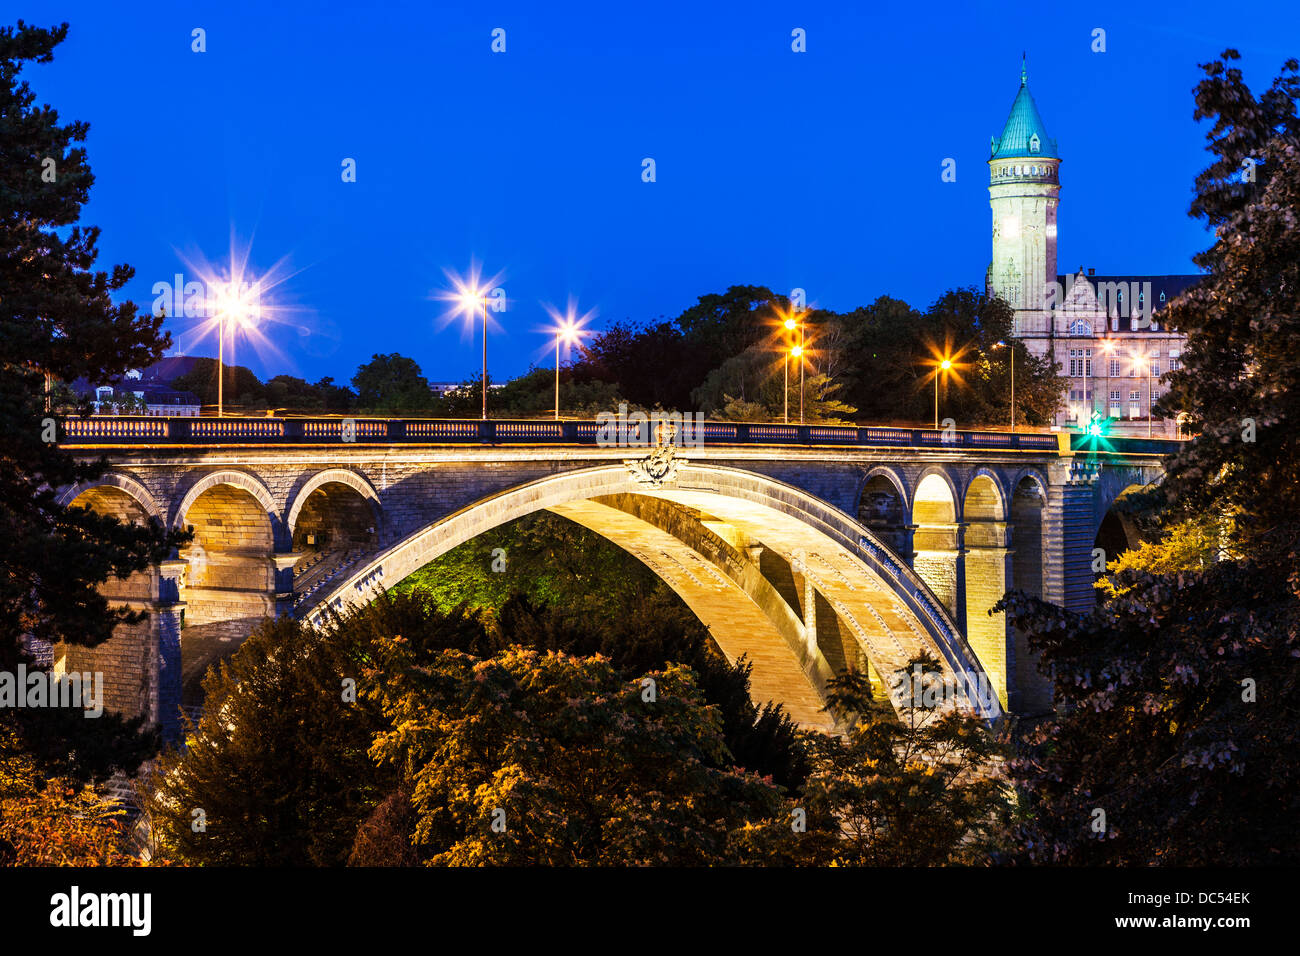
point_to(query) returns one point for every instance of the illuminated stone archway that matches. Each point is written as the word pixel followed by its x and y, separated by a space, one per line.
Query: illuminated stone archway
pixel 936 540
pixel 333 524
pixel 707 534
pixel 230 569
pixel 987 560
pixel 1032 690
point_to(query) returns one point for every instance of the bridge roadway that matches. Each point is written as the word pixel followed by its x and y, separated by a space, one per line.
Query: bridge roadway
pixel 807 548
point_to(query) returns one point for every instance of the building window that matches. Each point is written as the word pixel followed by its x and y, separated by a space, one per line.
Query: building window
pixel 1081 327
pixel 1114 370
pixel 1175 361
pixel 1155 369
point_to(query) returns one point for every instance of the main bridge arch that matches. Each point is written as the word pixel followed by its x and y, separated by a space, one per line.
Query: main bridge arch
pixel 775 573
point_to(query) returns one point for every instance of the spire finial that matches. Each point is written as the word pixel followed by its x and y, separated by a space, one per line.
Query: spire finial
pixel 1024 72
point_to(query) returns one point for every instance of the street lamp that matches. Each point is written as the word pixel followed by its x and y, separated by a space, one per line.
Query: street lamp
pixel 944 366
pixel 471 296
pixel 789 324
pixel 230 305
pixel 568 330
pixel 1012 349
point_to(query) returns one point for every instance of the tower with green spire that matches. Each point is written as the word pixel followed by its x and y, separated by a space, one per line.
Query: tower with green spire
pixel 1024 189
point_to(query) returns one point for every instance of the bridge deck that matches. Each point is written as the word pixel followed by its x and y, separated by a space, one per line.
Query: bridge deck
pixel 132 432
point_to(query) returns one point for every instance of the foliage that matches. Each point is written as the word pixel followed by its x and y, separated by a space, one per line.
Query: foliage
pixel 1188 546
pixel 277 766
pixel 531 758
pixel 563 587
pixel 240 385
pixel 1176 698
pixel 1157 727
pixel 1239 384
pixel 916 788
pixel 392 383
pixel 54 822
pixel 58 318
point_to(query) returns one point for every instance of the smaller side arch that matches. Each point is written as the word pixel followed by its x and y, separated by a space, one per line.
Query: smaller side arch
pixel 999 491
pixel 341 476
pixel 130 485
pixel 890 474
pixel 882 506
pixel 947 479
pixel 237 479
pixel 1034 475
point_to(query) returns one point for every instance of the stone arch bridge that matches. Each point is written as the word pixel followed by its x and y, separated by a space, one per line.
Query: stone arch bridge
pixel 810 549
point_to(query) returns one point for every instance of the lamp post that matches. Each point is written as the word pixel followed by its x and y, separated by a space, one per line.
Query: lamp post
pixel 943 367
pixel 789 324
pixel 485 384
pixel 231 305
pixel 471 297
pixel 799 354
pixel 568 331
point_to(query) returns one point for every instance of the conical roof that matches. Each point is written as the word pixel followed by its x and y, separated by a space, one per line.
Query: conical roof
pixel 1023 125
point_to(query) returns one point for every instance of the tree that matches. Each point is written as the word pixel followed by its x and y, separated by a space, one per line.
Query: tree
pixel 296 394
pixel 1239 384
pixel 58 319
pixel 276 772
pixel 547 583
pixel 240 385
pixel 1175 738
pixel 916 788
pixel 1176 719
pixel 391 383
pixel 531 758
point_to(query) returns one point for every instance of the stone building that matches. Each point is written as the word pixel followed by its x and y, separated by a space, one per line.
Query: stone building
pixel 1105 331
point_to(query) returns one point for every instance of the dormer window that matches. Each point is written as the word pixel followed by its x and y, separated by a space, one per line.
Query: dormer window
pixel 1033 143
pixel 1081 327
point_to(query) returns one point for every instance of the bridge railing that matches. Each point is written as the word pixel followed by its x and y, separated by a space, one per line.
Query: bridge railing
pixel 142 431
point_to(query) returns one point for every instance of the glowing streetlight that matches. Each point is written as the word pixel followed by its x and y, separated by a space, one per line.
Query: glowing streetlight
pixel 792 322
pixel 469 297
pixel 568 329
pixel 238 304
pixel 943 366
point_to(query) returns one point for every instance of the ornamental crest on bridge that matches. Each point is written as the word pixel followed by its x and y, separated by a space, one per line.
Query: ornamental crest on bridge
pixel 660 466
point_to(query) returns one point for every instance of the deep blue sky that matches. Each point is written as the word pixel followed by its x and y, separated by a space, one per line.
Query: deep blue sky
pixel 819 170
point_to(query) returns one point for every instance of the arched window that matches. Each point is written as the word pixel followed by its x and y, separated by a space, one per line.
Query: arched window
pixel 1033 143
pixel 1081 327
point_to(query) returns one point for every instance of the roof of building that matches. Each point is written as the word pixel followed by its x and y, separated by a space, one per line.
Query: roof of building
pixel 152 392
pixel 1023 124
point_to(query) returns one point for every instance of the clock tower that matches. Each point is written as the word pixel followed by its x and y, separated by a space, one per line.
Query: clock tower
pixel 1024 188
